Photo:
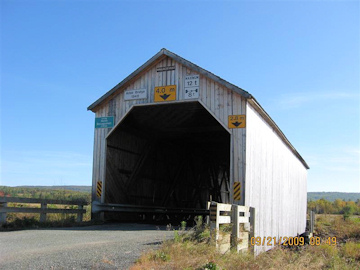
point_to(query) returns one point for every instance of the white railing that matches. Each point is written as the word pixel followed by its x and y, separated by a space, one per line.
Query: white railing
pixel 242 220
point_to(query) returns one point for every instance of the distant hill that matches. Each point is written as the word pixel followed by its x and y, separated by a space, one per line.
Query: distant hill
pixel 312 196
pixel 332 196
pixel 73 188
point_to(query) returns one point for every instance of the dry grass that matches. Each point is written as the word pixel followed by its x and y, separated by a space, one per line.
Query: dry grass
pixel 16 221
pixel 198 252
pixel 335 225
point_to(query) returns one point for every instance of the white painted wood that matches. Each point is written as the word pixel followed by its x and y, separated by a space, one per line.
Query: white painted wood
pixel 224 219
pixel 223 207
pixel 275 182
pixel 243 219
pixel 243 209
pixel 273 179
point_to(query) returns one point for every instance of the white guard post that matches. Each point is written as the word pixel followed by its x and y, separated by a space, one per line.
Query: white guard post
pixel 242 219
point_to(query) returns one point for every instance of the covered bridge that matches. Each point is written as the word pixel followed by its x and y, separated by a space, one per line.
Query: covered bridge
pixel 172 136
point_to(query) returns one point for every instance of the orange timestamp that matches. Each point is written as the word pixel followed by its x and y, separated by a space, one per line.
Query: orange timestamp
pixel 290 241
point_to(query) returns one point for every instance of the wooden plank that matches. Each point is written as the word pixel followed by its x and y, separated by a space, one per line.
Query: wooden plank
pixel 41 210
pixel 224 219
pixel 242 208
pixel 180 79
pixel 159 75
pixel 168 74
pixel 103 159
pixel 93 192
pixel 217 103
pixel 176 79
pixel 172 73
pixel 202 94
pixel 243 220
pixel 243 152
pixel 164 74
pixel 154 83
pixel 222 103
pixel 212 98
pixel 208 93
pixel 223 207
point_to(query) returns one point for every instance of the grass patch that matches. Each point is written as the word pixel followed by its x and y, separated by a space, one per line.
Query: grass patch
pixel 31 222
pixel 194 249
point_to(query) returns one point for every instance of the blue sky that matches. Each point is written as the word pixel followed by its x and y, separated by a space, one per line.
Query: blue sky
pixel 300 59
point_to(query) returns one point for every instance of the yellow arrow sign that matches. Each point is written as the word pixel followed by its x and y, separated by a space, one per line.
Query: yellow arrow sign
pixel 237 121
pixel 165 93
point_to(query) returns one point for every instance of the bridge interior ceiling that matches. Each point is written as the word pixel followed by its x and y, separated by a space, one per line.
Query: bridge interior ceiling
pixel 169 155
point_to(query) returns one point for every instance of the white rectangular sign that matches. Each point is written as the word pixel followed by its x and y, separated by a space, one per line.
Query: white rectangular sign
pixel 135 94
pixel 191 87
pixel 191 92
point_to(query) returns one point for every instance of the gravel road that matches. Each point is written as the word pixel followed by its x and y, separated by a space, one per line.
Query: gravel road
pixel 110 246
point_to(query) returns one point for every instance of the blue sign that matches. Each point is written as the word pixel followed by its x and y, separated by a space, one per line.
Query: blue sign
pixel 104 122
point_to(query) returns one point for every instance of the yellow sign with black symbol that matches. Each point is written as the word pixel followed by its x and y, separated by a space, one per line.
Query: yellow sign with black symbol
pixel 99 188
pixel 165 93
pixel 237 190
pixel 237 121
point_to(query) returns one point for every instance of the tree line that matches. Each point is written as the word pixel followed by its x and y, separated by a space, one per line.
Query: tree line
pixel 338 206
pixel 40 193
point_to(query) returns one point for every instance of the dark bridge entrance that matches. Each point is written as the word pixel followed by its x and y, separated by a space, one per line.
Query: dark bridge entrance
pixel 168 160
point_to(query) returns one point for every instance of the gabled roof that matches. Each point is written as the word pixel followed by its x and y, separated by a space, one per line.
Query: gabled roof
pixel 166 53
pixel 157 58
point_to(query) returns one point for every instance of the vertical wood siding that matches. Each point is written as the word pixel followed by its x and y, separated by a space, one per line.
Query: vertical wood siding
pixel 275 179
pixel 217 98
pixel 275 182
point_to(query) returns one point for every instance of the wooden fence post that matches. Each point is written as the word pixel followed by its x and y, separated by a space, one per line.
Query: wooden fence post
pixel 80 215
pixel 241 228
pixel 43 213
pixel 312 221
pixel 235 229
pixel 3 214
pixel 212 218
pixel 207 219
pixel 220 213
